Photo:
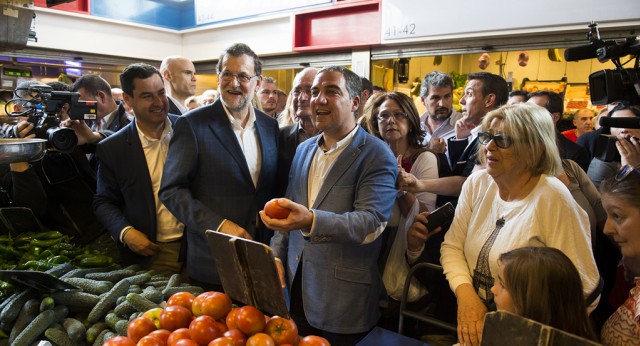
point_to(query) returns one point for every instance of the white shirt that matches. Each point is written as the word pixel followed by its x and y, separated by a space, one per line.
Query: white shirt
pixel 155 151
pixel 322 162
pixel 183 109
pixel 248 139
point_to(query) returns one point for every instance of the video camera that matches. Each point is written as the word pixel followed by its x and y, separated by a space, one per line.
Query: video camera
pixel 42 107
pixel 608 86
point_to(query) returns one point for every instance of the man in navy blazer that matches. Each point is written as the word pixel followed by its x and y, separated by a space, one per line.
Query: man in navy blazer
pixel 341 191
pixel 130 169
pixel 222 164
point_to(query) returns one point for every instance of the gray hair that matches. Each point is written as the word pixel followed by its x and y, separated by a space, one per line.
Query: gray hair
pixel 435 79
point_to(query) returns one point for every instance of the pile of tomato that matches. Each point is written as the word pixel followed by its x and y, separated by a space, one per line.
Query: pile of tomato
pixel 210 319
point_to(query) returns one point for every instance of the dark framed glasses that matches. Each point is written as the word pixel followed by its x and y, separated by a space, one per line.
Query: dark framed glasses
pixel 626 171
pixel 385 116
pixel 502 141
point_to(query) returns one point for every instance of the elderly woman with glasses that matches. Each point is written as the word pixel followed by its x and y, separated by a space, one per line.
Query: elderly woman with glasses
pixel 621 200
pixel 515 201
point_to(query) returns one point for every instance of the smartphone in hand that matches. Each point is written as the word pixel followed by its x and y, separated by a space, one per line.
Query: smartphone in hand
pixel 440 216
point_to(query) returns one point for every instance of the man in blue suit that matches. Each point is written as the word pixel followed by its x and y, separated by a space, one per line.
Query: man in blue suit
pixel 130 169
pixel 341 191
pixel 222 164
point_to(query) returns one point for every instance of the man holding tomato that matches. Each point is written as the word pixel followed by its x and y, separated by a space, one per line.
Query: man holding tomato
pixel 222 164
pixel 340 195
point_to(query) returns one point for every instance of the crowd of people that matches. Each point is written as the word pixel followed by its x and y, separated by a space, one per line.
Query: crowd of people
pixel 360 171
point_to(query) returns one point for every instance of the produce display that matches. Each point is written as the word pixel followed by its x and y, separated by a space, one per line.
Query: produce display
pixel 130 306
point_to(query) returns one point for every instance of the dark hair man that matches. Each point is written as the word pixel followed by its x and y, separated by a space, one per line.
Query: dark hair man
pixel 268 96
pixel 340 194
pixel 222 164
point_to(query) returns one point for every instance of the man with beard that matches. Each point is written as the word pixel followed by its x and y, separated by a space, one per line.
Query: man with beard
pixel 222 164
pixel 291 136
pixel 268 96
pixel 439 120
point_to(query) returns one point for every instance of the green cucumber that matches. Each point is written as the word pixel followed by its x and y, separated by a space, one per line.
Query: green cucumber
pixel 76 330
pixel 58 337
pixel 35 328
pixel 108 300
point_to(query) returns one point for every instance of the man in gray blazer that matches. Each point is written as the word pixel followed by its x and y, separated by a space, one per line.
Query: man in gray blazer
pixel 222 164
pixel 341 192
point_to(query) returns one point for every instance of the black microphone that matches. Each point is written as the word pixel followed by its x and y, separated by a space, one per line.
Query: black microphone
pixel 583 52
pixel 621 123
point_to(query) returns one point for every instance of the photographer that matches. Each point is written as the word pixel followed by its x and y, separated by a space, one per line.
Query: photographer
pixel 64 173
pixel 627 146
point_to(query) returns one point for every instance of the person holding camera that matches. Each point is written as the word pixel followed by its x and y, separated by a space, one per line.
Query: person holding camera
pixel 626 150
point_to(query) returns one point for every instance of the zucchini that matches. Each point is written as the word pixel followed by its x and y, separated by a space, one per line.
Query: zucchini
pixel 95 330
pixel 140 303
pixel 108 301
pixel 113 276
pixel 27 314
pixel 75 329
pixel 121 327
pixel 47 303
pixel 90 286
pixel 58 337
pixel 35 328
pixel 81 300
pixel 12 309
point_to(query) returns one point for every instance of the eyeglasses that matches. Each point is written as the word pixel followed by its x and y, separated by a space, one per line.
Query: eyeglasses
pixel 502 141
pixel 384 116
pixel 242 77
pixel 626 171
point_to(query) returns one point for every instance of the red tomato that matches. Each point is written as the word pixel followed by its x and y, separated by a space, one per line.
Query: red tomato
pixel 313 340
pixel 282 330
pixel 185 342
pixel 274 210
pixel 140 327
pixel 250 320
pixel 221 326
pixel 238 336
pixel 204 329
pixel 181 298
pixel 214 304
pixel 231 318
pixel 119 341
pixel 161 334
pixel 150 341
pixel 178 334
pixel 260 339
pixel 223 341
pixel 175 317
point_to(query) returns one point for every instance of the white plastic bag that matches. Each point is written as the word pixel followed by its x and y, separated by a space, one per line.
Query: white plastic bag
pixel 397 268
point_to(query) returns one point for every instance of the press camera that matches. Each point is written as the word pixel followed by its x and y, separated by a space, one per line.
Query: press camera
pixel 45 108
pixel 609 86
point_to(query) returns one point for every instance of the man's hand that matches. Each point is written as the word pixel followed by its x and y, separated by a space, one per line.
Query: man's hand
pixel 139 243
pixel 24 128
pixel 82 130
pixel 463 127
pixel 231 228
pixel 471 313
pixel 299 218
pixel 437 145
pixel 419 233
pixel 629 151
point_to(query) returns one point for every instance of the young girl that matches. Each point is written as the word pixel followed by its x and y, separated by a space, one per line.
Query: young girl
pixel 542 284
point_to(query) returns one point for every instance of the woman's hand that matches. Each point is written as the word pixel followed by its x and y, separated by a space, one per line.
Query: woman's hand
pixel 419 233
pixel 629 150
pixel 471 313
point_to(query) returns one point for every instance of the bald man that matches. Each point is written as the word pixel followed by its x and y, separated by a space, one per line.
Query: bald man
pixel 179 80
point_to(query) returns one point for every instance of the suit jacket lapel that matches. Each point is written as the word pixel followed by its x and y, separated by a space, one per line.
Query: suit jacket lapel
pixel 221 128
pixel 341 165
pixel 140 166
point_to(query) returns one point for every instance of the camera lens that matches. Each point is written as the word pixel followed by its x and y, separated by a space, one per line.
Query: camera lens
pixel 62 139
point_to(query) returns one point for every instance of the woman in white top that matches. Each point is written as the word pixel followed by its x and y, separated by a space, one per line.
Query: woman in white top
pixel 515 201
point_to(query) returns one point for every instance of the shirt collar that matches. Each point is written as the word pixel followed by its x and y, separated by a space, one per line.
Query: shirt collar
pixel 166 133
pixel 238 123
pixel 340 144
